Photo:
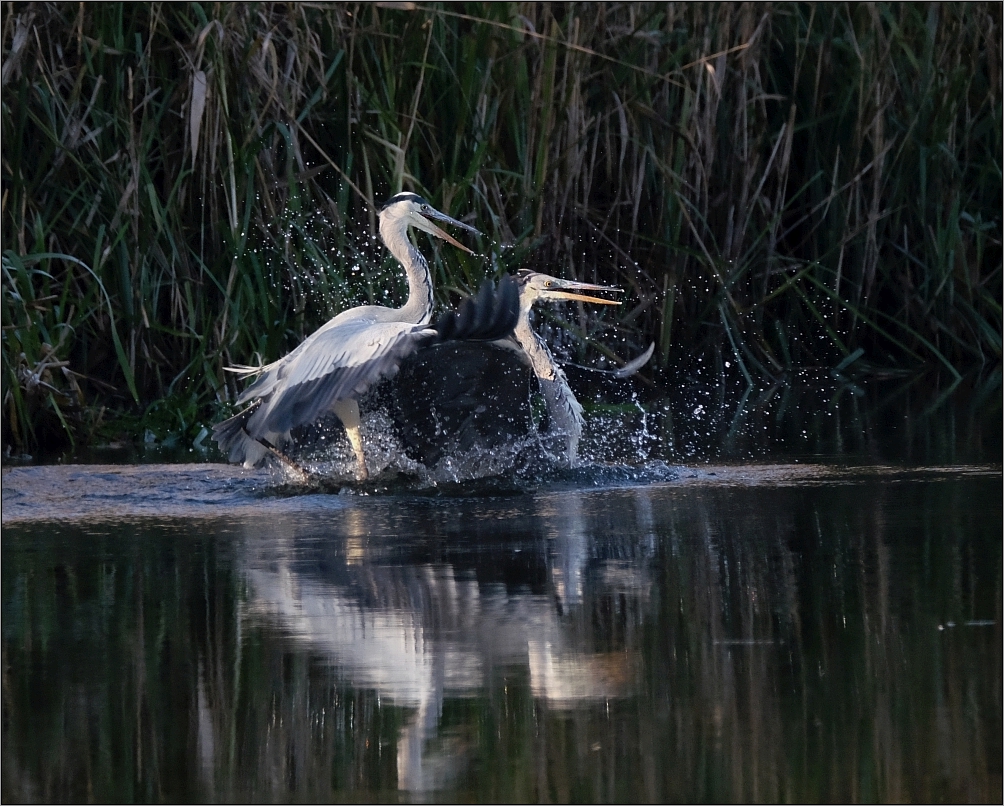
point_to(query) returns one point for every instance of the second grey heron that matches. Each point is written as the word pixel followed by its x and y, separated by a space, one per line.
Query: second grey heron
pixel 341 360
pixel 465 396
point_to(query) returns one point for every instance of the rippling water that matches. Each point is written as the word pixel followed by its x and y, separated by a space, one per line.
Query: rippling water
pixel 768 631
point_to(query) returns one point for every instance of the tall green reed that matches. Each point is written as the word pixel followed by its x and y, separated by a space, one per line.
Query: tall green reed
pixel 187 186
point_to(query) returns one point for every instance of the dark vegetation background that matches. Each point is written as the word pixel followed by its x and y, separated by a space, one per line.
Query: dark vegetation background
pixel 776 187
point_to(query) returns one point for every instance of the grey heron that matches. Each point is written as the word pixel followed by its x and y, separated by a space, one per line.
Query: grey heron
pixel 341 360
pixel 463 396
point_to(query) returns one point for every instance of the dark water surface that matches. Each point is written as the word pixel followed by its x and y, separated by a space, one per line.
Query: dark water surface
pixel 766 632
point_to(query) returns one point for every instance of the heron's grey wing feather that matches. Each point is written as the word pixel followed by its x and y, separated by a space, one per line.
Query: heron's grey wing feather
pixel 230 434
pixel 272 373
pixel 277 371
pixel 488 316
pixel 238 445
pixel 261 387
pixel 342 362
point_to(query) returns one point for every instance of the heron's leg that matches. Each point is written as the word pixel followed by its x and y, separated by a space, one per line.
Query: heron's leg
pixel 292 467
pixel 348 413
pixel 298 473
pixel 572 450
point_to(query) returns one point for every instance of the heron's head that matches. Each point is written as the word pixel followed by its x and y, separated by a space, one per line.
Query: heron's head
pixel 409 209
pixel 534 286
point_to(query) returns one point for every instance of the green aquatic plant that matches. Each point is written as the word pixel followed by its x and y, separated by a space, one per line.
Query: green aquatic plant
pixel 777 187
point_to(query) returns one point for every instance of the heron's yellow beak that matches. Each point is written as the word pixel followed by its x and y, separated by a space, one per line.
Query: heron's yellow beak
pixel 581 297
pixel 555 288
pixel 432 229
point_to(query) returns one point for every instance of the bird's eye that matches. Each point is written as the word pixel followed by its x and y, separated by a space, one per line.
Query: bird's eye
pixel 548 284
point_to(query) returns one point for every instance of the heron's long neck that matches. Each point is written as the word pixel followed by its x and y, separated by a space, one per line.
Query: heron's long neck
pixel 564 411
pixel 562 406
pixel 535 349
pixel 418 308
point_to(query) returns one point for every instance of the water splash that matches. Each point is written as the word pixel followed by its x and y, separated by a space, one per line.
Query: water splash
pixel 618 448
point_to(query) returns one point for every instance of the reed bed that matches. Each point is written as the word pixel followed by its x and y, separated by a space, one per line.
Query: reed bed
pixel 776 187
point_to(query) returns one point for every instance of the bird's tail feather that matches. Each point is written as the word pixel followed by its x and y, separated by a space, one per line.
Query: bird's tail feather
pixel 235 441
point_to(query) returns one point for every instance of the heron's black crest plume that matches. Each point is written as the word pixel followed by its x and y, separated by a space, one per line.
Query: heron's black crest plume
pixel 397 197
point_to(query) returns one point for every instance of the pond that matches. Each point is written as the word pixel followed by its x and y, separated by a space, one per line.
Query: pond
pixel 820 622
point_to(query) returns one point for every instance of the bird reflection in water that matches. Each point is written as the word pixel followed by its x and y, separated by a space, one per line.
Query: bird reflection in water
pixel 421 633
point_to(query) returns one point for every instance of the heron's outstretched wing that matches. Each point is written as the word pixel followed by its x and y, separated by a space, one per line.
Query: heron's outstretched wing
pixel 342 363
pixel 489 316
pixel 457 397
pixel 334 363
